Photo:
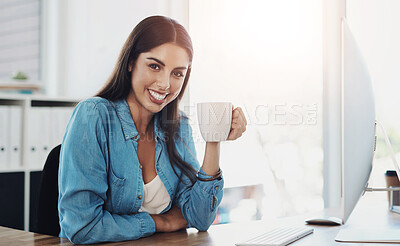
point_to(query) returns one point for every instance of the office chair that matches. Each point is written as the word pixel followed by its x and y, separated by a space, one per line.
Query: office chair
pixel 47 211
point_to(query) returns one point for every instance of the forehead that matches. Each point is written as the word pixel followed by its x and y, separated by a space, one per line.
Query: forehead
pixel 170 54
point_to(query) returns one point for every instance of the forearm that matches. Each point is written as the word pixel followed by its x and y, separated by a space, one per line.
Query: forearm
pixel 172 220
pixel 199 203
pixel 159 222
pixel 211 158
pixel 105 227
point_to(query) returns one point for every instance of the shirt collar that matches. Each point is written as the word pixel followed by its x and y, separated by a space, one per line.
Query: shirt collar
pixel 128 126
pixel 157 126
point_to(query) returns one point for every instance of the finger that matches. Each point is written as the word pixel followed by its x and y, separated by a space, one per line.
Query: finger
pixel 240 121
pixel 234 134
pixel 242 114
pixel 235 114
pixel 236 121
pixel 238 113
pixel 239 127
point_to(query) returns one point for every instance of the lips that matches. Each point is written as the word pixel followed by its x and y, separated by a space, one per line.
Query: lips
pixel 157 97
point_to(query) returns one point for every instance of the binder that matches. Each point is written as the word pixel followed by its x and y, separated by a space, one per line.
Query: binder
pixel 4 153
pixel 31 151
pixel 45 135
pixel 55 138
pixel 60 118
pixel 38 131
pixel 15 135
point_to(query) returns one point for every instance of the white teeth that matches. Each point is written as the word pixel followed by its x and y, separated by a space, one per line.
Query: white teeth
pixel 157 95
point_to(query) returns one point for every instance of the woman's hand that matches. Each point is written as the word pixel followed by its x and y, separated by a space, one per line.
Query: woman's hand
pixel 211 155
pixel 170 221
pixel 238 125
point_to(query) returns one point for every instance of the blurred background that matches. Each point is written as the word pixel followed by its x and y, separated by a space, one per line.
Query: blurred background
pixel 268 57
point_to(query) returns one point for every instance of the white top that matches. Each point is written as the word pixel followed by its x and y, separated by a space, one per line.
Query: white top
pixel 155 197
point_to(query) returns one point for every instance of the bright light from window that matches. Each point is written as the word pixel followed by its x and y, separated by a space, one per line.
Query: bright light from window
pixel 266 57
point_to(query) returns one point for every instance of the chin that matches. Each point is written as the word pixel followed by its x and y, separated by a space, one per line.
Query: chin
pixel 155 109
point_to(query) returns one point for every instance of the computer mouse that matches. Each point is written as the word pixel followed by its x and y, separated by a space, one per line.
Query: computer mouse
pixel 328 221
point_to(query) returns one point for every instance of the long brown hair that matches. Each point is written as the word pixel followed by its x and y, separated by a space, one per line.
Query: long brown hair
pixel 148 34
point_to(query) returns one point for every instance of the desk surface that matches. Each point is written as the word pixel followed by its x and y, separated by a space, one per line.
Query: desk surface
pixel 368 214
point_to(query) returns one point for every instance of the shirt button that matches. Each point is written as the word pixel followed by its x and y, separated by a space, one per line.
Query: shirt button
pixel 141 166
pixel 140 197
pixel 216 187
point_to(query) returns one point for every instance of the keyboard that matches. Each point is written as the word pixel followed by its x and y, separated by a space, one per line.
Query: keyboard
pixel 278 237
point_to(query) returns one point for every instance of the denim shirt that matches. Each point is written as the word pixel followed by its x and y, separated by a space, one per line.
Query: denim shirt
pixel 100 177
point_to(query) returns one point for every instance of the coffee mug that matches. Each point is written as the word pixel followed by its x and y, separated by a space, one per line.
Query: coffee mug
pixel 393 181
pixel 214 120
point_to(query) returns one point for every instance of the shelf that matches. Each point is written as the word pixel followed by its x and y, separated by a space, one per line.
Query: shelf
pixel 13 170
pixel 36 97
pixel 20 169
pixel 20 85
pixel 41 124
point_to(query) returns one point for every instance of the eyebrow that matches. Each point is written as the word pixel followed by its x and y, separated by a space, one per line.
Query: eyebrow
pixel 162 63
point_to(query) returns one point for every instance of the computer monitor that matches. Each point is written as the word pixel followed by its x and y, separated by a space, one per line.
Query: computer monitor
pixel 358 138
pixel 357 122
pixel 357 127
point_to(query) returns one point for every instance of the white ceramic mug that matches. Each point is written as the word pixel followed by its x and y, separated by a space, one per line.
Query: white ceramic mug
pixel 215 120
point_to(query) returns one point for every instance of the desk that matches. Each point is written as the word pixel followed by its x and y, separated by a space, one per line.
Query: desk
pixel 368 214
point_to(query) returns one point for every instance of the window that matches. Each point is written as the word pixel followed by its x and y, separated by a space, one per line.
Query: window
pixel 266 57
pixel 19 38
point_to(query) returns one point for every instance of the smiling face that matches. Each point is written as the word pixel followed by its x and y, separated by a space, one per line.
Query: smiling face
pixel 158 76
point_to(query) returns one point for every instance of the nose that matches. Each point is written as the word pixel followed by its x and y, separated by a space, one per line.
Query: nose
pixel 163 82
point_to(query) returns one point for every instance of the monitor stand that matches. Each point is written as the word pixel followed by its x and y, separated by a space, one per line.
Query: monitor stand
pixel 378 235
pixel 325 220
pixel 368 236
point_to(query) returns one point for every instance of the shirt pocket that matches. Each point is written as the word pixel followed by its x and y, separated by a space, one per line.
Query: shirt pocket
pixel 115 192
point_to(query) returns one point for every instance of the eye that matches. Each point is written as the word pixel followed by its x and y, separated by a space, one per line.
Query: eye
pixel 155 66
pixel 178 74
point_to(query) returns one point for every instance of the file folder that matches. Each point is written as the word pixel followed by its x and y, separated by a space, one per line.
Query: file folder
pixel 15 135
pixel 44 140
pixel 4 153
pixel 60 117
pixel 37 136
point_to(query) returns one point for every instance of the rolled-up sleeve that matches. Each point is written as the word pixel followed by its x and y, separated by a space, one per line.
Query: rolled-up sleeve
pixel 83 185
pixel 199 202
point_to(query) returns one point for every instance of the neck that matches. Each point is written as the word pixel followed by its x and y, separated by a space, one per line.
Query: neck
pixel 142 118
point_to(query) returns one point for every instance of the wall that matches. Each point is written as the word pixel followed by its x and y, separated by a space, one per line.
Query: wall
pixel 85 37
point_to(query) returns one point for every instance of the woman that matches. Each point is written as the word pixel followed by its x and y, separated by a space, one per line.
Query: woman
pixel 128 164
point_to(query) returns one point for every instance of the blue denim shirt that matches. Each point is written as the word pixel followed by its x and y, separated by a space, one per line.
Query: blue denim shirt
pixel 100 179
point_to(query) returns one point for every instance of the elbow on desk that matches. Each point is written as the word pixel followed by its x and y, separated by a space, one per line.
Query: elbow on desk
pixel 204 225
pixel 200 221
pixel 76 238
